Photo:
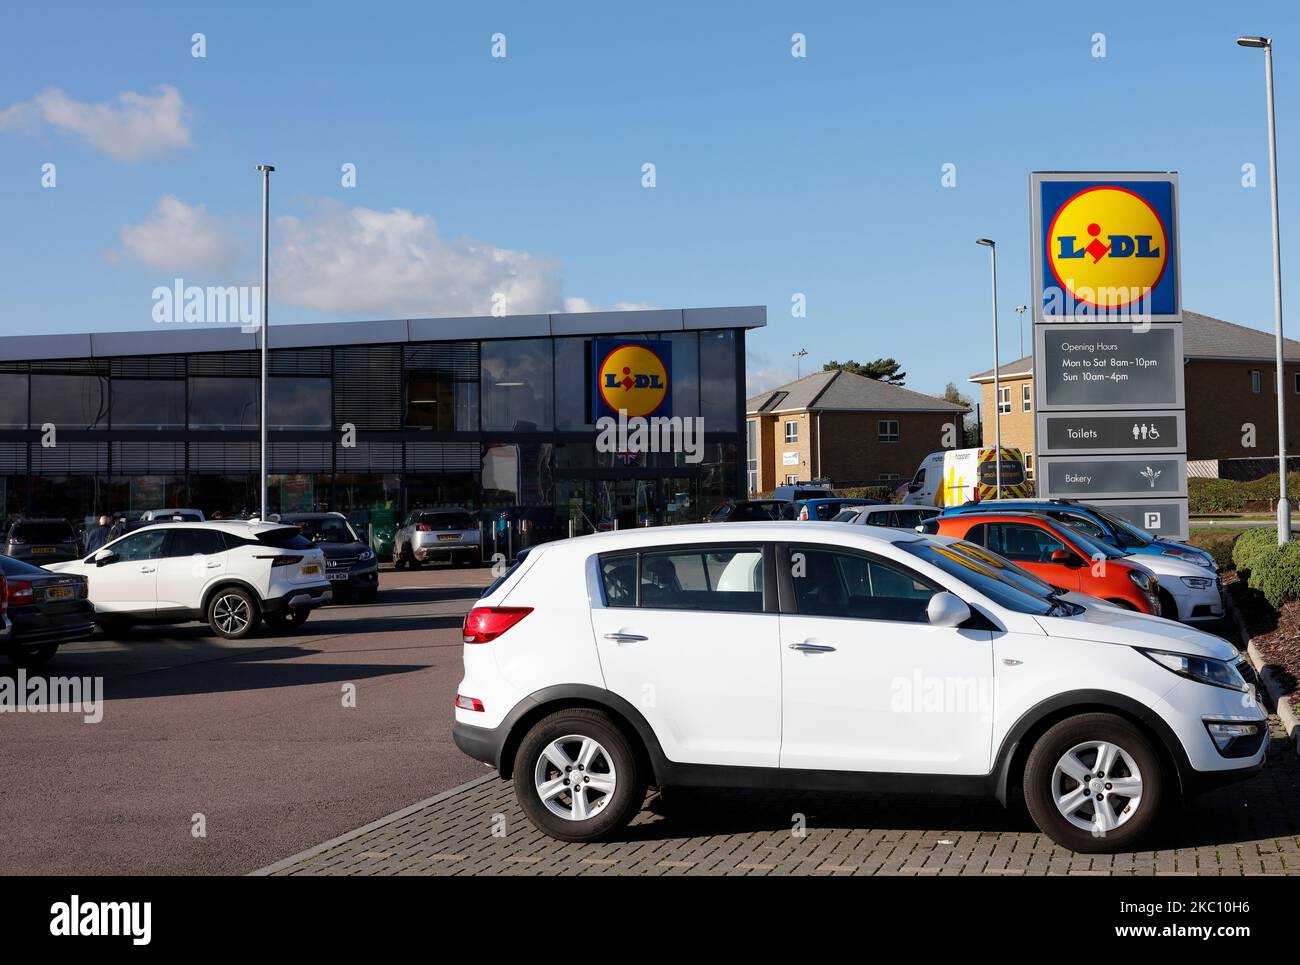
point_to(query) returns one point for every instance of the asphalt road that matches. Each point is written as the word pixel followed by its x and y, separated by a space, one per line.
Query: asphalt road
pixel 253 736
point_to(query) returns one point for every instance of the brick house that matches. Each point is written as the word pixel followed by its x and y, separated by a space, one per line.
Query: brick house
pixel 1229 377
pixel 847 428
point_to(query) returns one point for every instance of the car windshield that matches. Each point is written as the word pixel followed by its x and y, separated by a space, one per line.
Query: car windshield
pixel 328 530
pixel 1129 534
pixel 998 579
pixel 1094 547
pixel 54 532
pixel 446 521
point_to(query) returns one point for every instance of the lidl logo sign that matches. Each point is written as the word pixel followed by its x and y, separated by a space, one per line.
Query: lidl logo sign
pixel 632 377
pixel 1107 246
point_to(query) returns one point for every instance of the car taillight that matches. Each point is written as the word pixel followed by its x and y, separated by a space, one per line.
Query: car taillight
pixel 19 593
pixel 484 623
pixel 285 560
pixel 469 703
pixel 424 528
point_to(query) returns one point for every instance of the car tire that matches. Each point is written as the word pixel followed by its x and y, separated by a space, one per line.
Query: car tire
pixel 232 613
pixel 399 558
pixel 1062 781
pixel 23 657
pixel 288 620
pixel 610 758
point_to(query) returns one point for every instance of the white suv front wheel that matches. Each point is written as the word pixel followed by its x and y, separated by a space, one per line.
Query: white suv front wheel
pixel 232 613
pixel 577 777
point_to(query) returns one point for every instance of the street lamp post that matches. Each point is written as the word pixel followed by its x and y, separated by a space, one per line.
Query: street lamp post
pixel 1020 310
pixel 798 360
pixel 997 383
pixel 1283 503
pixel 265 170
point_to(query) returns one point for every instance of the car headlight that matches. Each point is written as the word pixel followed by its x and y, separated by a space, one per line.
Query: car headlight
pixel 1206 670
pixel 1198 582
pixel 1191 556
pixel 1142 581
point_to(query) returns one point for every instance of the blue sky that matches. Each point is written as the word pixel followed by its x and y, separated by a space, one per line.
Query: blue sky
pixel 774 175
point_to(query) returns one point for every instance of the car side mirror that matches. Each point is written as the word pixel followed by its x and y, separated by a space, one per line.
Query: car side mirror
pixel 1064 557
pixel 104 557
pixel 947 610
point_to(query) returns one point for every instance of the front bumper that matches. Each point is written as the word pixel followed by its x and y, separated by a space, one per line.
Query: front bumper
pixel 356 580
pixel 1196 605
pixel 300 598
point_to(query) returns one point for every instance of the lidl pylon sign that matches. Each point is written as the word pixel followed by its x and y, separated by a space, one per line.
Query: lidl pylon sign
pixel 1105 246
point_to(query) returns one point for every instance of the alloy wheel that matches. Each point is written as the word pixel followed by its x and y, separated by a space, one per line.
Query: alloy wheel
pixel 1097 786
pixel 575 777
pixel 231 613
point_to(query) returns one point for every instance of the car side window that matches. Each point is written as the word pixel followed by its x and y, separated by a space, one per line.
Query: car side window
pixel 1080 523
pixel 192 542
pixel 141 546
pixel 834 584
pixel 1021 543
pixel 728 579
pixel 618 574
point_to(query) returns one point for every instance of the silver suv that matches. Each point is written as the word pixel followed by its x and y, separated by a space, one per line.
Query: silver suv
pixel 430 535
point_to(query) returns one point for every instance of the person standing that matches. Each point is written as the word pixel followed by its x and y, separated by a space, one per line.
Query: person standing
pixel 97 536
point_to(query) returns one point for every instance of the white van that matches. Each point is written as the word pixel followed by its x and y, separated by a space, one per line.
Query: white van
pixel 956 476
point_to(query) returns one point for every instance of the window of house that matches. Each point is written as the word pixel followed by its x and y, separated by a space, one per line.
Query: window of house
pixel 1025 393
pixel 1255 381
pixel 1296 376
pixel 1004 399
pixel 887 430
pixel 792 431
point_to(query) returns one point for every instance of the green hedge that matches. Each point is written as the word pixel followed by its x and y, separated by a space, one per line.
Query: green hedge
pixel 1218 543
pixel 1250 544
pixel 1275 572
pixel 1211 496
pixel 883 493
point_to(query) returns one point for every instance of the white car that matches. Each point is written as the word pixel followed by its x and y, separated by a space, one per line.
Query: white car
pixel 430 535
pixel 782 655
pixel 176 515
pixel 230 575
pixel 894 517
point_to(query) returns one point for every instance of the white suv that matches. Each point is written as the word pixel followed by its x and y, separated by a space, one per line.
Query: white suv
pixel 780 655
pixel 230 575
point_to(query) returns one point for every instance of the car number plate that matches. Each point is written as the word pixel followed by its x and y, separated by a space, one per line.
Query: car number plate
pixel 43 549
pixel 59 593
pixel 337 576
pixel 445 537
pixel 310 569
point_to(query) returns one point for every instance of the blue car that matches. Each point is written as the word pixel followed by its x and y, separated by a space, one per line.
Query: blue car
pixel 825 508
pixel 1097 523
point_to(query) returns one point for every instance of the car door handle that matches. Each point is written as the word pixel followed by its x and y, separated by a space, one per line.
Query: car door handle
pixel 812 648
pixel 625 637
pixel 147 569
pixel 213 566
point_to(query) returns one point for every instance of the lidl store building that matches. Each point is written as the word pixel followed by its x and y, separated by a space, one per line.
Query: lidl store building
pixel 494 414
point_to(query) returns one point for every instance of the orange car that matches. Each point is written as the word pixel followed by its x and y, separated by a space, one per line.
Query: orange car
pixel 1059 554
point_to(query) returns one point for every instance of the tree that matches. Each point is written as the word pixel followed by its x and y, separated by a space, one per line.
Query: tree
pixel 882 370
pixel 970 425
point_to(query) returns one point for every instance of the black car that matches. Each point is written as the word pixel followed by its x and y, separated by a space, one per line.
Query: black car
pixel 750 511
pixel 42 541
pixel 350 565
pixel 45 610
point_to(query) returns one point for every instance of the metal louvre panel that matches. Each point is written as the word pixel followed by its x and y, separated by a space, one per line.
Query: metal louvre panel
pixel 368 387
pixel 148 367
pixel 458 359
pixel 223 457
pixel 300 361
pixel 13 458
pixel 442 457
pixel 149 458
pixel 234 364
pixel 369 457
pixel 72 367
pixel 301 456
pixel 68 458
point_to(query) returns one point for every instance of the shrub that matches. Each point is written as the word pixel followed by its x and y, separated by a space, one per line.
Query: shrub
pixel 1250 543
pixel 1275 572
pixel 1218 543
pixel 883 493
pixel 1211 496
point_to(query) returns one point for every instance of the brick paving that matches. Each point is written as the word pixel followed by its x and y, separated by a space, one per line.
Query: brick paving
pixel 478 829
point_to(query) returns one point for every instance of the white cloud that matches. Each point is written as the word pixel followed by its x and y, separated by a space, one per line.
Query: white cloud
pixel 396 263
pixel 761 375
pixel 130 128
pixel 181 238
pixel 576 303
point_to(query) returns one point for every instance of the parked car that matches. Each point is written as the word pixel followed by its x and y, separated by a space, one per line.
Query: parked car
pixel 175 515
pixel 230 575
pixel 42 541
pixel 45 609
pixel 1059 554
pixel 824 508
pixel 749 511
pixel 791 492
pixel 430 535
pixel 1189 583
pixel 1101 715
pixel 350 564
pixel 847 514
pixel 894 517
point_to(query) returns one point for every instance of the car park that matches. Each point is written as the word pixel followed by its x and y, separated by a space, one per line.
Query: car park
pixel 825 508
pixel 350 565
pixel 894 517
pixel 749 511
pixel 1189 586
pixel 45 610
pixel 1102 716
pixel 42 541
pixel 437 535
pixel 1058 554
pixel 230 575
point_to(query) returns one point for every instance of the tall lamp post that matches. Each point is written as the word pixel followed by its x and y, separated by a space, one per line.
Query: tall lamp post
pixel 1283 503
pixel 997 382
pixel 798 360
pixel 1020 310
pixel 265 170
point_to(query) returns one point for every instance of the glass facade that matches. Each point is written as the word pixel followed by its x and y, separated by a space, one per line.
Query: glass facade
pixel 500 427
